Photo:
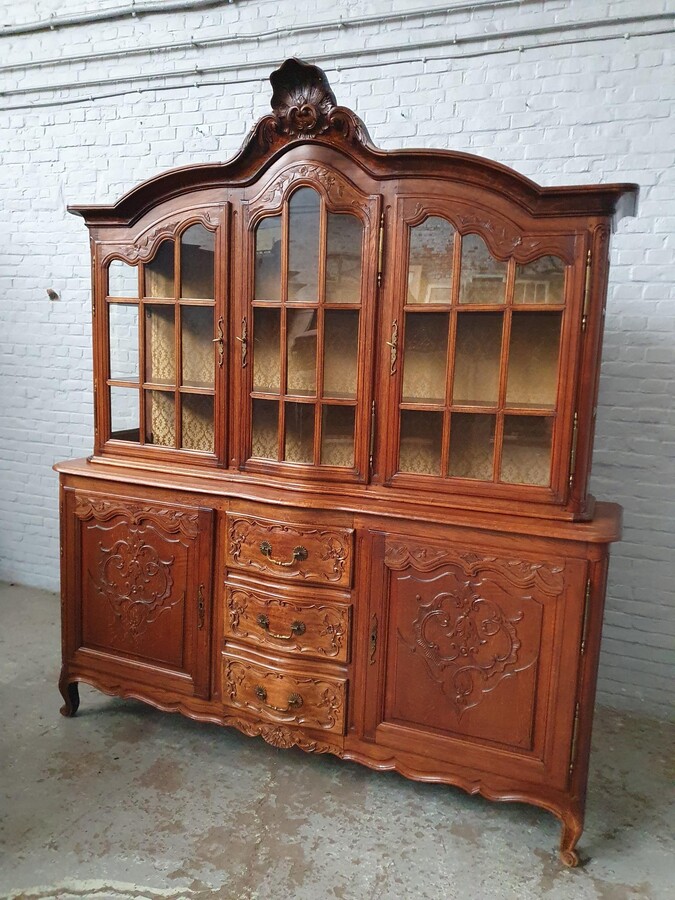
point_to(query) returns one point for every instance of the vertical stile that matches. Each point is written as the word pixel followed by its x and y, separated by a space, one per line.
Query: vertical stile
pixel 320 328
pixel 284 336
pixel 504 368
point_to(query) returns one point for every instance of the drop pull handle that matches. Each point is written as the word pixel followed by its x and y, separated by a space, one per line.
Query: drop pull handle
pixel 299 555
pixel 295 701
pixel 297 628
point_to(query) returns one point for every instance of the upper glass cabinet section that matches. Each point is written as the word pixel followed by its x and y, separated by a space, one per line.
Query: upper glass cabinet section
pixel 480 363
pixel 306 323
pixel 161 345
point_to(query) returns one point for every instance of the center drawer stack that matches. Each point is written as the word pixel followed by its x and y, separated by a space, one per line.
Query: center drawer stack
pixel 288 620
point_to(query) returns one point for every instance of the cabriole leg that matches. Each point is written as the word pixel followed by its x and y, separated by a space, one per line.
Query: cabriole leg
pixel 572 827
pixel 71 695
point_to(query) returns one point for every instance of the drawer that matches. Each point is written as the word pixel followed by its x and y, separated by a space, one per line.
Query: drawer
pixel 276 695
pixel 315 554
pixel 301 626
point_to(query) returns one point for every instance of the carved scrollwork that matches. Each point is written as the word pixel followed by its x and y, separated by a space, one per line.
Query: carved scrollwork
pixel 145 245
pixel 547 577
pixel 467 641
pixel 504 239
pixel 169 519
pixel 136 582
pixel 280 736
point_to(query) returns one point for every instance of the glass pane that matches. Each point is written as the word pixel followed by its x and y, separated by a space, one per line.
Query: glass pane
pixel 533 359
pixel 303 246
pixel 472 445
pixel 426 357
pixel 124 414
pixel 340 364
pixel 526 450
pixel 159 272
pixel 160 356
pixel 197 346
pixel 301 359
pixel 430 268
pixel 266 341
pixel 337 436
pixel 483 278
pixel 122 279
pixel 196 263
pixel 477 354
pixel 420 450
pixel 265 429
pixel 343 259
pixel 197 422
pixel 268 259
pixel 299 443
pixel 123 325
pixel 160 421
pixel 541 281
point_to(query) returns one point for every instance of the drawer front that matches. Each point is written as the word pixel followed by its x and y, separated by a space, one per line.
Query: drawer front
pixel 306 553
pixel 275 695
pixel 301 627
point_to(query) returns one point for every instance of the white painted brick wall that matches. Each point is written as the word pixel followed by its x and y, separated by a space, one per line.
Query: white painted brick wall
pixel 588 99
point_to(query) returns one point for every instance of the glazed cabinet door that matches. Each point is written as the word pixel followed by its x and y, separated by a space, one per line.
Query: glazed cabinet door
pixel 473 656
pixel 309 287
pixel 138 591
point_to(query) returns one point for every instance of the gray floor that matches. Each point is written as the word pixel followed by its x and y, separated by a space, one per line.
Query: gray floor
pixel 127 802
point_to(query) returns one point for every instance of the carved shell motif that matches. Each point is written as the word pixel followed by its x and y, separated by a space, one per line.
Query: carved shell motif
pixel 301 99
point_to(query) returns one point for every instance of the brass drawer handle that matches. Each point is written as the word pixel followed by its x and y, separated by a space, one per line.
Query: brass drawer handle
pixel 297 628
pixel 299 554
pixel 294 700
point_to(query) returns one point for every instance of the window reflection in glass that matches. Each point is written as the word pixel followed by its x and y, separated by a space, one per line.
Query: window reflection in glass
pixel 425 361
pixel 197 263
pixel 299 439
pixel 430 262
pixel 301 334
pixel 122 279
pixel 303 246
pixel 482 277
pixel 540 281
pixel 159 272
pixel 477 357
pixel 123 330
pixel 343 259
pixel 124 414
pixel 268 260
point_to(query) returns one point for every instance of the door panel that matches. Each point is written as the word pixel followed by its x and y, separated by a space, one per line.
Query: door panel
pixel 142 580
pixel 476 649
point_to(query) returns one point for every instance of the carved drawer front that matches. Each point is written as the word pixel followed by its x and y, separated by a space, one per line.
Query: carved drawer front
pixel 315 554
pixel 303 627
pixel 309 700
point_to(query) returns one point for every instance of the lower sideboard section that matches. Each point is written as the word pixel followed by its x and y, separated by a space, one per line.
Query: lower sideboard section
pixel 455 655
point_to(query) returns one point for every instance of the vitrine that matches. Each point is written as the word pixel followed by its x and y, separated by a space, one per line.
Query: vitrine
pixel 344 412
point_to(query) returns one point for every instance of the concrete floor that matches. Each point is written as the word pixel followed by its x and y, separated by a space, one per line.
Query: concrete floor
pixel 127 802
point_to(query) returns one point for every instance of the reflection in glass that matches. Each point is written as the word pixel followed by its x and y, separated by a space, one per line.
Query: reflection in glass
pixel 337 436
pixel 197 422
pixel 265 443
pixel 268 259
pixel 299 438
pixel 160 419
pixel 196 263
pixel 341 333
pixel 420 449
pixel 526 450
pixel 122 279
pixel 303 246
pixel 343 259
pixel 301 360
pixel 123 325
pixel 266 348
pixel 425 361
pixel 159 272
pixel 477 354
pixel 160 357
pixel 197 346
pixel 533 359
pixel 472 445
pixel 430 266
pixel 483 278
pixel 541 281
pixel 124 414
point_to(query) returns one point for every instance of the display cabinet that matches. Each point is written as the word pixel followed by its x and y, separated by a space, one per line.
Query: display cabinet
pixel 344 412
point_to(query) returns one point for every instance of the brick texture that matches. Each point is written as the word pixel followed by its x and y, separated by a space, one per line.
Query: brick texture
pixel 563 91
